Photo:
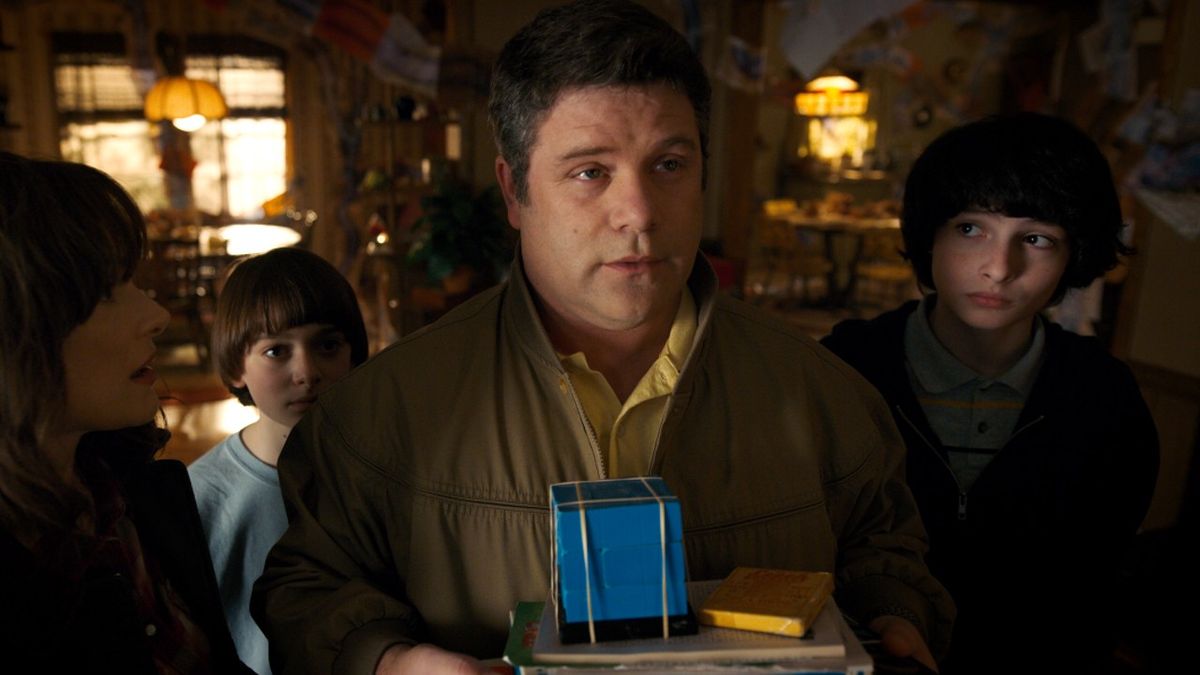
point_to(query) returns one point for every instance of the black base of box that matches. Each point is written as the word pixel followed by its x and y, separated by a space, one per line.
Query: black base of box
pixel 627 629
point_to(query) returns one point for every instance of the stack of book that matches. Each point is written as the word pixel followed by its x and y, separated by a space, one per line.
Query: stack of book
pixel 812 639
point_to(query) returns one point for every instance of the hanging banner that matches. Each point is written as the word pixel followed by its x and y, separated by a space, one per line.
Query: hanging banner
pixel 354 25
pixel 816 29
pixel 305 8
pixel 395 50
pixel 741 65
pixel 402 57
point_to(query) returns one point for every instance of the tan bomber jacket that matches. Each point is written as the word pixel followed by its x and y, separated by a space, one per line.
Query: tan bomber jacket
pixel 417 487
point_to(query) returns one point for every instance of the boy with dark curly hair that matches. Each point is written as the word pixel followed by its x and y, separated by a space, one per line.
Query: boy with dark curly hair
pixel 1030 450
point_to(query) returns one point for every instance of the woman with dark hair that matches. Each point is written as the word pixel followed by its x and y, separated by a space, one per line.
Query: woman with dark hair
pixel 103 563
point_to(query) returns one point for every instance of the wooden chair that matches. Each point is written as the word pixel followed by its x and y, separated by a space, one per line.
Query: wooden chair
pixel 799 256
pixel 883 278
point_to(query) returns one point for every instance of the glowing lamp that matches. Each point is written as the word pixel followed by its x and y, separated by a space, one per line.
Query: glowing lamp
pixel 253 238
pixel 831 96
pixel 187 102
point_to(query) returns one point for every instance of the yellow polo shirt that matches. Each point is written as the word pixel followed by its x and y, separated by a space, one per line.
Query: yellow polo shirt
pixel 626 433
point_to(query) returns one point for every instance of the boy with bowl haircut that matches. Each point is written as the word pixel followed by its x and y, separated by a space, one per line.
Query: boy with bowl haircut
pixel 287 326
pixel 1030 450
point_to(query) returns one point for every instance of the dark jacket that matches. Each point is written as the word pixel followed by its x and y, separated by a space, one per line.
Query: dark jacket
pixel 1031 552
pixel 106 635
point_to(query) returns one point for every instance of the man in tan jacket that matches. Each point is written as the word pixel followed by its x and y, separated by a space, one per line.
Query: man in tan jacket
pixel 417 488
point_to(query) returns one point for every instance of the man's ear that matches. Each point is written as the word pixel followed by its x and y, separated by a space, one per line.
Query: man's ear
pixel 508 188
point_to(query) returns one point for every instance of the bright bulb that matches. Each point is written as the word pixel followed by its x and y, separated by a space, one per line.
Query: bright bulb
pixel 189 123
pixel 254 238
pixel 832 83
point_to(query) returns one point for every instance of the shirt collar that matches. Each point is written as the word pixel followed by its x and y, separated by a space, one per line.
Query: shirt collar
pixel 937 370
pixel 683 332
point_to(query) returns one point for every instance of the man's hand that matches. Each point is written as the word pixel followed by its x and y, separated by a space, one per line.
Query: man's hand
pixel 900 637
pixel 426 658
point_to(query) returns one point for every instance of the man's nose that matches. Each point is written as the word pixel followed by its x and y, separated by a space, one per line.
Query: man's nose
pixel 633 203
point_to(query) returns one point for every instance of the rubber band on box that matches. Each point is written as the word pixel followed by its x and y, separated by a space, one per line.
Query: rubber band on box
pixel 587 576
pixel 662 541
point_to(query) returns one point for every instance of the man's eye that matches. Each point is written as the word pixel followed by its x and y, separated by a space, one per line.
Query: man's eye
pixel 670 165
pixel 590 174
pixel 968 229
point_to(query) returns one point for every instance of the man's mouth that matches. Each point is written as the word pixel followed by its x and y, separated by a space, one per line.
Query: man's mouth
pixel 634 263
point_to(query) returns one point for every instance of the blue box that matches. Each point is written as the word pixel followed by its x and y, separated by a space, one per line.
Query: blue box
pixel 627 524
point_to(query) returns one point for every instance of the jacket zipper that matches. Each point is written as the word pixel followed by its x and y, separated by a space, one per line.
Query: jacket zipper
pixel 1028 424
pixel 587 424
pixel 962 495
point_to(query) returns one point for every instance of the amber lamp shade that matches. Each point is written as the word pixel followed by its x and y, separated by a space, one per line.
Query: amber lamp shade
pixel 831 96
pixel 185 101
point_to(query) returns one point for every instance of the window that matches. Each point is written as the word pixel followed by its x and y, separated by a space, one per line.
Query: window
pixel 240 160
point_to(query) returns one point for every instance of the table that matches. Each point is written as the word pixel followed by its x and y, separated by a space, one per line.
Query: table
pixel 842 275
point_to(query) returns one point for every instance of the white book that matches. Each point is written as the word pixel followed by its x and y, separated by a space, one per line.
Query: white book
pixel 827 640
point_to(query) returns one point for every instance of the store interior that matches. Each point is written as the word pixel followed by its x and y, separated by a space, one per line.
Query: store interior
pixel 314 132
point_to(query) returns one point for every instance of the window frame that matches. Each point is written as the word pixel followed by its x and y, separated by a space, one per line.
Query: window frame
pixel 206 52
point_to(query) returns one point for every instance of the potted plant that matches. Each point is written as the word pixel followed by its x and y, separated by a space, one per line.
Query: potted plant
pixel 462 238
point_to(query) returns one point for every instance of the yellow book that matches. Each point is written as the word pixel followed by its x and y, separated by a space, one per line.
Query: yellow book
pixel 784 602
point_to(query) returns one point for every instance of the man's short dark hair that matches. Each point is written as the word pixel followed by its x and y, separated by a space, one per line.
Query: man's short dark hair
pixel 1022 165
pixel 587 43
